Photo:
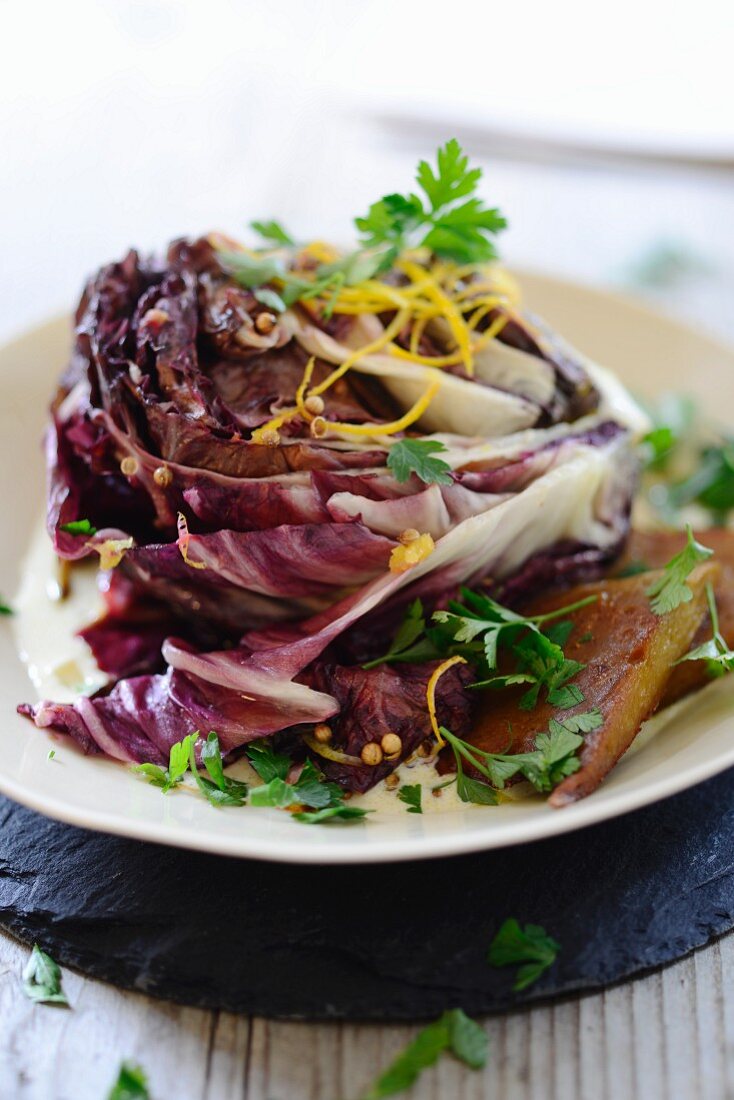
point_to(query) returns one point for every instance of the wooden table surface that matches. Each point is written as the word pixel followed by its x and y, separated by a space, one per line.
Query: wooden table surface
pixel 669 1035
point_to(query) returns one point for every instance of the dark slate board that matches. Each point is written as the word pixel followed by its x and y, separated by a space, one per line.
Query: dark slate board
pixel 386 942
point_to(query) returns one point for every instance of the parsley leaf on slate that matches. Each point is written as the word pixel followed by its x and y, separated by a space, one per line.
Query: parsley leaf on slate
pixel 410 642
pixel 272 231
pixel 531 948
pixel 414 456
pixel 131 1084
pixel 450 228
pixel 670 589
pixel 78 527
pixel 42 979
pixel 716 653
pixel 454 1032
pixel 411 794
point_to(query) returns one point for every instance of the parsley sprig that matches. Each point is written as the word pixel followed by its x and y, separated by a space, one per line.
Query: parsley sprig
pixel 716 653
pixel 478 629
pixel 454 1032
pixel 530 948
pixel 553 758
pixel 448 219
pixel 670 590
pixel 415 456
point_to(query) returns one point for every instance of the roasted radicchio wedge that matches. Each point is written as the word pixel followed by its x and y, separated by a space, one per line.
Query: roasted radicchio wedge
pixel 225 428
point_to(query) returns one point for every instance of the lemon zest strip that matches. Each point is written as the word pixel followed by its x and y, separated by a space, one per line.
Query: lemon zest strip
pixel 431 693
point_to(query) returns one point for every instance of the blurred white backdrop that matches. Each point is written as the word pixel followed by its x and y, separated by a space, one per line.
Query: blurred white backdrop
pixel 607 133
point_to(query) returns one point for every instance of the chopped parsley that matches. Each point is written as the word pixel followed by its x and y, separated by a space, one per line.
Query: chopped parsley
pixel 448 219
pixel 716 653
pixel 415 456
pixel 670 589
pixel 311 799
pixel 219 789
pixel 131 1084
pixel 42 979
pixel 51 754
pixel 78 527
pixel 531 949
pixel 178 764
pixel 454 1032
pixel 411 794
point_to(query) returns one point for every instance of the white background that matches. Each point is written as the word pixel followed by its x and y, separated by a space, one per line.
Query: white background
pixel 131 122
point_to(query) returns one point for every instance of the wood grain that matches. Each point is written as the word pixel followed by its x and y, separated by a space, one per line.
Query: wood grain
pixel 667 1036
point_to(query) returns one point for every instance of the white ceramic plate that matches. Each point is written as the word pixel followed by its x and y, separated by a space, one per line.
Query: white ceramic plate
pixel 691 743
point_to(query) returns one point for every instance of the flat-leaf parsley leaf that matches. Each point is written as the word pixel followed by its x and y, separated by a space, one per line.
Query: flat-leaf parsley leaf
pixel 670 589
pixel 415 456
pixel 42 979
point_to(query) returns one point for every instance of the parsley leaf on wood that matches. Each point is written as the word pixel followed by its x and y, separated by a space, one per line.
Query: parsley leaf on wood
pixel 454 1032
pixel 414 456
pixel 670 589
pixel 272 231
pixel 131 1084
pixel 531 948
pixel 42 979
pixel 78 527
pixel 411 794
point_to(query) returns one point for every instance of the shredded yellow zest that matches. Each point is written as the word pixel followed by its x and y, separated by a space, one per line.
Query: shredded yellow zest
pixel 301 391
pixel 453 316
pixel 460 296
pixel 404 557
pixel 183 543
pixel 392 330
pixel 111 551
pixel 431 694
pixel 393 426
